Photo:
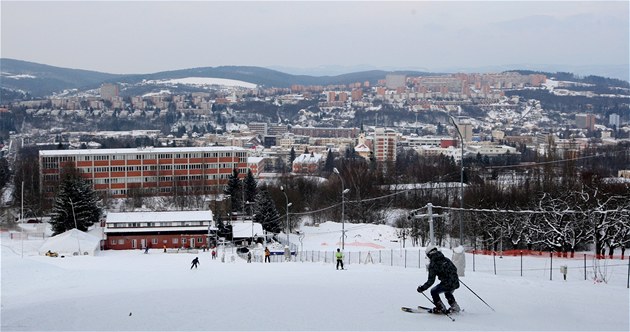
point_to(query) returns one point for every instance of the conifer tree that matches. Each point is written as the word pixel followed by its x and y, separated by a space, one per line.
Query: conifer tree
pixel 76 205
pixel 330 161
pixel 266 213
pixel 291 158
pixel 251 187
pixel 233 188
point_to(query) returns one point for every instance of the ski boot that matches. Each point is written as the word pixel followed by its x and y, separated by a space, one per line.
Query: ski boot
pixel 454 307
pixel 439 308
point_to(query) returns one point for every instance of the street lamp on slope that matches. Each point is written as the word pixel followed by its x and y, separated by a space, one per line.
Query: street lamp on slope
pixel 287 211
pixel 461 183
pixel 343 208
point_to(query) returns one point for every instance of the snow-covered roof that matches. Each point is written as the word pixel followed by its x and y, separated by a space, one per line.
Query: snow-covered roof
pixel 254 160
pixel 362 148
pixel 308 158
pixel 156 229
pixel 125 217
pixel 71 241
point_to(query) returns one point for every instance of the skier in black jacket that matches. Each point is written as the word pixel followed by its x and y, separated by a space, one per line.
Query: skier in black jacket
pixel 194 263
pixel 446 271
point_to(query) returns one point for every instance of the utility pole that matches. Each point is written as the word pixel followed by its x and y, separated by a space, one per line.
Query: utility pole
pixel 461 185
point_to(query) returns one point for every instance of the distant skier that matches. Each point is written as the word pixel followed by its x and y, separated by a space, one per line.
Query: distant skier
pixel 446 271
pixel 249 257
pixel 194 263
pixel 339 256
pixel 267 255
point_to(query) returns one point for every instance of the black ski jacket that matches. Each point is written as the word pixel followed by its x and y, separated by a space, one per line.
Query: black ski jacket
pixel 445 270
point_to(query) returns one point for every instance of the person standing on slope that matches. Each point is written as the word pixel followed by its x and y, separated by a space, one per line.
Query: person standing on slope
pixel 267 255
pixel 446 271
pixel 339 256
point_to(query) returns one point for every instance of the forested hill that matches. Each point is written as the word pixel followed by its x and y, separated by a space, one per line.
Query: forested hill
pixel 38 80
pixel 590 79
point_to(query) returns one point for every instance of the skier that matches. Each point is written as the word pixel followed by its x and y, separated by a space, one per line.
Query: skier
pixel 194 263
pixel 446 271
pixel 267 255
pixel 214 253
pixel 339 256
pixel 249 257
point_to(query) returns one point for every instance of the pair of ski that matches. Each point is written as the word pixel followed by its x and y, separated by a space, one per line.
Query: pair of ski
pixel 421 309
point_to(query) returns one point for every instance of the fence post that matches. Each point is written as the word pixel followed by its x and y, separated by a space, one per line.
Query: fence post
pixel 584 266
pixel 419 257
pixel 391 257
pixel 349 257
pixel 494 261
pixel 379 257
pixel 628 282
pixel 474 260
pixel 521 263
pixel 359 257
pixel 551 265
pixel 405 258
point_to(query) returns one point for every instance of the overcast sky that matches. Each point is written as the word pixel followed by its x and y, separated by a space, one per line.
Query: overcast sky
pixel 150 36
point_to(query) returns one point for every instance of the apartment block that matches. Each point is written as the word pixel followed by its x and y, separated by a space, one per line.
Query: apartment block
pixel 585 121
pixel 385 141
pixel 154 171
pixel 325 132
pixel 109 91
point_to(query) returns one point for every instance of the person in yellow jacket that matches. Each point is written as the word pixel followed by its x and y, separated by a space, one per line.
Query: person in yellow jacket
pixel 339 256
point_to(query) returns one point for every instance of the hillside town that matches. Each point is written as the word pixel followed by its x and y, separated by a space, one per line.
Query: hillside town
pixel 228 116
pixel 195 144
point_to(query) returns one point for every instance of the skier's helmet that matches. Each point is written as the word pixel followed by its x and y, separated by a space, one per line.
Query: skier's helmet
pixel 431 249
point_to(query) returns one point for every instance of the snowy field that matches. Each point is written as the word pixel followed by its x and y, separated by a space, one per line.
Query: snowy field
pixel 132 291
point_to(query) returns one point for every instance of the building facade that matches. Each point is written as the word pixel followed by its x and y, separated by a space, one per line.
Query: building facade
pixel 385 142
pixel 170 229
pixel 153 171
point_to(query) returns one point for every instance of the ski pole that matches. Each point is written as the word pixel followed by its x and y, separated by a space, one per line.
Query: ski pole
pixel 460 280
pixel 443 311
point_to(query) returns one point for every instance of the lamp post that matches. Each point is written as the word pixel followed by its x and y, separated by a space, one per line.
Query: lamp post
pixel 461 184
pixel 251 219
pixel 75 225
pixel 343 208
pixel 287 210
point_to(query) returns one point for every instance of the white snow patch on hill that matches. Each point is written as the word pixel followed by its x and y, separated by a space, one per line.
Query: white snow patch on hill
pixel 206 81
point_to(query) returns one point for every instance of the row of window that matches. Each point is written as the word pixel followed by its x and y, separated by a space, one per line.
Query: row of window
pixel 151 179
pixel 149 156
pixel 154 241
pixel 156 224
pixel 151 191
pixel 107 169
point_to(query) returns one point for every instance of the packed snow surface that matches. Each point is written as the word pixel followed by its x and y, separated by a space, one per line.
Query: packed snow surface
pixel 133 291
